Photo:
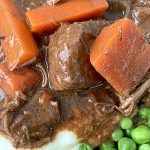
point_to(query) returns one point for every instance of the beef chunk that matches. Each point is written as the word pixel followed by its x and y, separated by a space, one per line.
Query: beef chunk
pixel 33 120
pixel 80 104
pixel 38 120
pixel 90 114
pixel 68 55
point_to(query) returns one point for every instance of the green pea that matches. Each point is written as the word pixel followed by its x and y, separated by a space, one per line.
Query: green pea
pixel 117 135
pixel 85 147
pixel 128 132
pixel 126 144
pixel 141 134
pixel 126 123
pixel 144 112
pixel 144 147
pixel 107 146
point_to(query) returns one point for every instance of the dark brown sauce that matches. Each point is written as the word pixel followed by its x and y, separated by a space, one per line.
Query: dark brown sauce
pixel 101 91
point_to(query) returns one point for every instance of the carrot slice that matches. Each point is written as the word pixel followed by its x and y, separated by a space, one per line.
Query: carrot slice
pixel 47 18
pixel 19 45
pixel 22 80
pixel 121 55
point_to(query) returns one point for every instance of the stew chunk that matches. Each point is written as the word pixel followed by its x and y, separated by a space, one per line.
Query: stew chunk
pixel 19 46
pixel 38 117
pixel 69 60
pixel 48 18
pixel 22 80
pixel 121 55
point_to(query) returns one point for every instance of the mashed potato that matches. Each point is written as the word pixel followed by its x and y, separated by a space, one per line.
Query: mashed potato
pixel 65 140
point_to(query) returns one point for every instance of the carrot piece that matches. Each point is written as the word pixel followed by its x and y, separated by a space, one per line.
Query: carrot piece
pixel 49 17
pixel 22 80
pixel 19 45
pixel 121 55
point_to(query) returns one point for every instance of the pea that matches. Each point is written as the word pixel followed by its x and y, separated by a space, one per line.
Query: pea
pixel 126 123
pixel 144 147
pixel 117 135
pixel 144 112
pixel 128 132
pixel 141 134
pixel 107 146
pixel 126 144
pixel 85 147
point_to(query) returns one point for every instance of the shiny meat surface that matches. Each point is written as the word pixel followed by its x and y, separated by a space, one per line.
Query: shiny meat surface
pixel 91 114
pixel 38 119
pixel 33 120
pixel 68 55
pixel 73 102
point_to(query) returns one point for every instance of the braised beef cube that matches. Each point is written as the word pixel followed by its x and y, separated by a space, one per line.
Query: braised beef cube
pixel 88 112
pixel 80 104
pixel 69 48
pixel 39 120
pixel 35 119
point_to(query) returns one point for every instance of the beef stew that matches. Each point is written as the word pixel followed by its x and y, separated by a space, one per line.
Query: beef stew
pixel 49 83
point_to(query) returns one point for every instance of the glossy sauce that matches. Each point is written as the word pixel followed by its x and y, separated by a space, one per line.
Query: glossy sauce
pixel 117 10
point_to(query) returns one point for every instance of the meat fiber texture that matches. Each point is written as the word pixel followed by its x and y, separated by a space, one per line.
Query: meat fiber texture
pixel 69 50
pixel 45 122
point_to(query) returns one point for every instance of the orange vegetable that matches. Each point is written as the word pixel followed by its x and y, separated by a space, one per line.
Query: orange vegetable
pixel 19 45
pixel 23 80
pixel 49 17
pixel 121 55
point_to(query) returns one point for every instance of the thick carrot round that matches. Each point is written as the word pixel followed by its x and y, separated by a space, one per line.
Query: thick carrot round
pixel 48 18
pixel 23 80
pixel 121 55
pixel 19 45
